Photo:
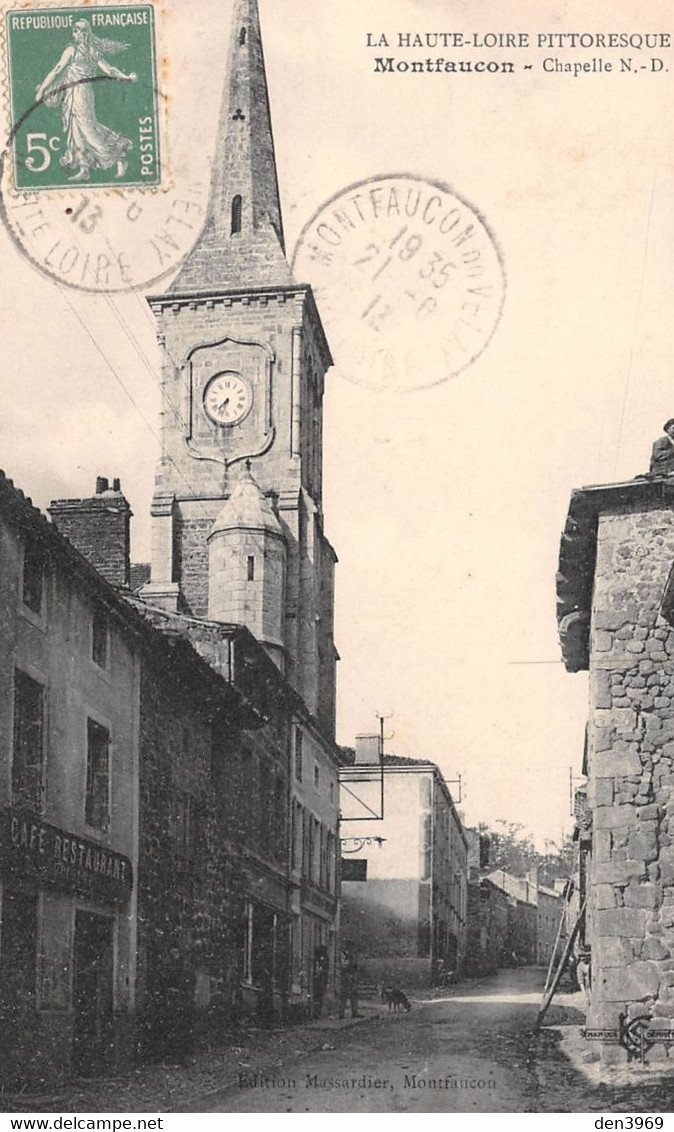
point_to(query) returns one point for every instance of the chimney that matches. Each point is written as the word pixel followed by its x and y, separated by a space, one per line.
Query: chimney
pixel 367 750
pixel 100 528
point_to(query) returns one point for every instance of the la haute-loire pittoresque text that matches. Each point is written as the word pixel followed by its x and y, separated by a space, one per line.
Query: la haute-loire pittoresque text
pixel 559 53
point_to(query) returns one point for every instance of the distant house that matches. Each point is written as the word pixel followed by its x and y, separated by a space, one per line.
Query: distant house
pixel 551 906
pixel 522 929
pixel 533 920
pixel 488 918
pixel 404 868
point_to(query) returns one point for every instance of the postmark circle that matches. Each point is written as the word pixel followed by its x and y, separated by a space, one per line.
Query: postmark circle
pixel 86 189
pixel 105 240
pixel 408 279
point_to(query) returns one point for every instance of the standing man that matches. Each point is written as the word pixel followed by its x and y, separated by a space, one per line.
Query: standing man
pixel 583 974
pixel 320 980
pixel 348 981
pixel 662 457
pixel 179 986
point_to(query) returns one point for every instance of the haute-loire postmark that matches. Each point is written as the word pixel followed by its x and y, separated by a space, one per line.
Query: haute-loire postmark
pixel 83 97
pixel 408 278
pixel 90 192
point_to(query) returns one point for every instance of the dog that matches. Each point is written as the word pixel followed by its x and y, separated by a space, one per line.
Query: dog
pixel 396 999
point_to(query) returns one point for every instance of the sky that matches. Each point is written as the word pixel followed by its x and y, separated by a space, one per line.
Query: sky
pixel 445 504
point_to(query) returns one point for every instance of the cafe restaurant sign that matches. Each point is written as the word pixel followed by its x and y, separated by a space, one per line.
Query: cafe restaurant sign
pixel 30 849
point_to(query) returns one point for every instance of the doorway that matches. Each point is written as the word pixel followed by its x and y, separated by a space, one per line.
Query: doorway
pixel 18 961
pixel 92 993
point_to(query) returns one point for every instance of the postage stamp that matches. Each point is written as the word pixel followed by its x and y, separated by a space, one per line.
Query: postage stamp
pixel 408 278
pixel 96 189
pixel 83 97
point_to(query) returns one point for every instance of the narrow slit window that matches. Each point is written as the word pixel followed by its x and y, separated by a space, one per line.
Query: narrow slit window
pixel 242 37
pixel 236 215
pixel 251 568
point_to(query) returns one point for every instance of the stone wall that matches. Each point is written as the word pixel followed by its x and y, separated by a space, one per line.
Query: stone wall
pixel 213 836
pixel 188 877
pixel 631 776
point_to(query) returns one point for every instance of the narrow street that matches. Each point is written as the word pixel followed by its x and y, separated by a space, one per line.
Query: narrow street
pixel 473 1051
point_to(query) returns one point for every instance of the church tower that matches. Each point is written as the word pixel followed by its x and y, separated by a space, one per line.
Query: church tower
pixel 237 515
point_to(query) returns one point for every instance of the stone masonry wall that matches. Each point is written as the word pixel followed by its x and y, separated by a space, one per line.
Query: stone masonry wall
pixel 631 774
pixel 189 887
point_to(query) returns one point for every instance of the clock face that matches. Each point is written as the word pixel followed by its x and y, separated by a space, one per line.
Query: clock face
pixel 228 398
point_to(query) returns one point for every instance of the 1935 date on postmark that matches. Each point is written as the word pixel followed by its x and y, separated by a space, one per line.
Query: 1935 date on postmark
pixel 408 278
pixel 83 97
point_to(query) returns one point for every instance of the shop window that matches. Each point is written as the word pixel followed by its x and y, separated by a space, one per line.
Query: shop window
pixel 33 577
pixel 299 753
pixel 28 753
pixel 97 804
pixel 99 638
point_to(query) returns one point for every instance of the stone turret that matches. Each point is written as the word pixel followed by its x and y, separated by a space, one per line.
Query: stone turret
pixel 247 566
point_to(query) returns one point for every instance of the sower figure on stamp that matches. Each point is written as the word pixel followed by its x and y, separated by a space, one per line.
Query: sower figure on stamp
pixel 662 456
pixel 348 982
pixel 89 144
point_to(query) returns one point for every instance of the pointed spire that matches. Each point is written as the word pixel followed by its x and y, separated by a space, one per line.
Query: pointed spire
pixel 243 242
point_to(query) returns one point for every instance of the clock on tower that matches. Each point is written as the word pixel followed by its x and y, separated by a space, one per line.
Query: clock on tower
pixel 239 479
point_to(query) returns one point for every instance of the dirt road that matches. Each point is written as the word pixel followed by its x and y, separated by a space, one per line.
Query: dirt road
pixel 474 1051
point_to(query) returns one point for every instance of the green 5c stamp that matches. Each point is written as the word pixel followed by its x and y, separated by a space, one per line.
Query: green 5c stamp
pixel 83 96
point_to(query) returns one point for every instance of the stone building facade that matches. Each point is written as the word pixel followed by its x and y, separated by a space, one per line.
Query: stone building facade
pixel 70 672
pixel 169 814
pixel 616 608
pixel 404 875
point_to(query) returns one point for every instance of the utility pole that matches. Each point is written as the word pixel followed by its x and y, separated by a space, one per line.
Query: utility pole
pixel 382 740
